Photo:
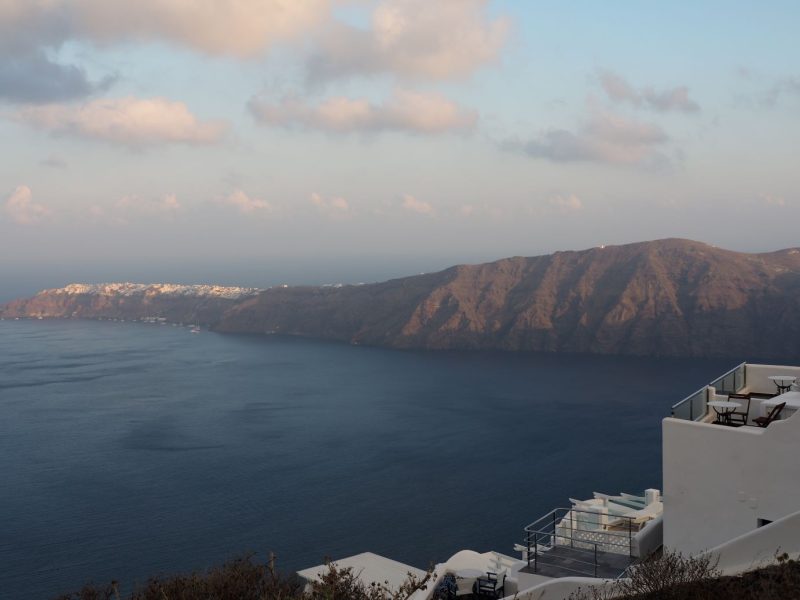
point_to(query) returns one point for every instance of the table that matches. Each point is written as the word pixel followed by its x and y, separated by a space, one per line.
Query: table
pixel 724 410
pixel 783 382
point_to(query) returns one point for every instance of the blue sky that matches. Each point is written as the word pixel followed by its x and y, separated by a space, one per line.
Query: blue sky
pixel 454 131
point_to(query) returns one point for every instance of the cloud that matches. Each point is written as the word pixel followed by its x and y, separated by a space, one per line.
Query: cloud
pixel 241 28
pixel 33 78
pixel 239 200
pixel 605 138
pixel 127 121
pixel 675 99
pixel 335 205
pixel 404 111
pixel 787 86
pixel 167 206
pixel 412 38
pixel 410 203
pixel 772 200
pixel 565 204
pixel 21 208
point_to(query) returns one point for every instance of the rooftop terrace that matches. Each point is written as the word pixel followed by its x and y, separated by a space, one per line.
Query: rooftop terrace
pixel 756 388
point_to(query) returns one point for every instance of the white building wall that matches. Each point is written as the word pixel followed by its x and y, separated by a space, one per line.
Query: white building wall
pixel 719 481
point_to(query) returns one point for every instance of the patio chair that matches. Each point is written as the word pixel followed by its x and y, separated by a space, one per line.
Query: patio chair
pixel 773 414
pixel 447 588
pixel 740 416
pixel 493 585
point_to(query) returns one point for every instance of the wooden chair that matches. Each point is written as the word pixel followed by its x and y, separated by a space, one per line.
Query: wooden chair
pixel 493 585
pixel 740 416
pixel 773 414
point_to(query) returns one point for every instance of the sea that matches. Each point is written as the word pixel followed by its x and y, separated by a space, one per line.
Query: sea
pixel 129 450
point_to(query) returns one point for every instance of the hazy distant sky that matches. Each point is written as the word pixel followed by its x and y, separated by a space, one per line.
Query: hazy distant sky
pixel 270 130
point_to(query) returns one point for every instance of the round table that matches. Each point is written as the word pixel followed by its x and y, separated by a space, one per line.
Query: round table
pixel 783 382
pixel 724 408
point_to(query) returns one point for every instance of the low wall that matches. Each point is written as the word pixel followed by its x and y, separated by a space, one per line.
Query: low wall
pixel 561 588
pixel 756 377
pixel 759 547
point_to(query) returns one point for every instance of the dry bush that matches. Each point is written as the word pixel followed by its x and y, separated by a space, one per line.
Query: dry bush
pixel 244 579
pixel 673 577
pixel 661 578
pixel 344 584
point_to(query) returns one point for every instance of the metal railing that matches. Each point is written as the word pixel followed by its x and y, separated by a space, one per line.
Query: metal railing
pixel 694 406
pixel 585 532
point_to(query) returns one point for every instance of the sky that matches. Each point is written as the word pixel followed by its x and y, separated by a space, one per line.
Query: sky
pixel 323 139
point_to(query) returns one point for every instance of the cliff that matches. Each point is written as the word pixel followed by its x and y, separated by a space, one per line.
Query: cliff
pixel 667 297
pixel 201 304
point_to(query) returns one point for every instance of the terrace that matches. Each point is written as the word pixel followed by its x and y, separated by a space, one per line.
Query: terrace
pixel 600 537
pixel 729 457
pixel 743 395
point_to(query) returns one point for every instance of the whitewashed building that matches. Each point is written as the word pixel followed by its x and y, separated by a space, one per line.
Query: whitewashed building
pixel 731 490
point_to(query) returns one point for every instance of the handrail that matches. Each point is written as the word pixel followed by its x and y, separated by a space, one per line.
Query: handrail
pixel 566 511
pixel 689 398
pixel 550 531
pixel 730 372
pixel 693 395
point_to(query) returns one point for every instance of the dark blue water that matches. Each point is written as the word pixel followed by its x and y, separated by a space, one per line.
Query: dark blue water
pixel 128 450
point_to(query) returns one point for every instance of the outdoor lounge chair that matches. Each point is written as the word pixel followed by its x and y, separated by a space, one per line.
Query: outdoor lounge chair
pixel 493 585
pixel 740 416
pixel 773 414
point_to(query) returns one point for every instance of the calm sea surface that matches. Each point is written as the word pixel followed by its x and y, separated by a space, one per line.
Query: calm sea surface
pixel 128 450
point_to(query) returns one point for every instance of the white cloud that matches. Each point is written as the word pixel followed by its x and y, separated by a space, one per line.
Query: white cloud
pixel 772 200
pixel 412 204
pixel 565 204
pixel 413 38
pixel 604 138
pixel 239 200
pixel 404 111
pixel 234 27
pixel 673 99
pixel 334 205
pixel 165 206
pixel 21 208
pixel 127 121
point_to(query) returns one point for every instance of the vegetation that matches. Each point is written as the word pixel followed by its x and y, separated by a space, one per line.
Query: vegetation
pixel 668 577
pixel 245 579
pixel 674 577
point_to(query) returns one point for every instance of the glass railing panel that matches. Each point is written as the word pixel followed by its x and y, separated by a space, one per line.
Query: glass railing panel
pixel 699 407
pixel 693 407
pixel 731 382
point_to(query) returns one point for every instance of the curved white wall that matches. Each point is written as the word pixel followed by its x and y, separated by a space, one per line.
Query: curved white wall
pixel 758 548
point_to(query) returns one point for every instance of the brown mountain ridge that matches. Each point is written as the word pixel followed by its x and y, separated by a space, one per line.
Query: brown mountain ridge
pixel 668 297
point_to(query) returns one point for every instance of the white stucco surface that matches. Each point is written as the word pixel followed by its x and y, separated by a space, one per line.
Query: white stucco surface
pixel 369 568
pixel 719 481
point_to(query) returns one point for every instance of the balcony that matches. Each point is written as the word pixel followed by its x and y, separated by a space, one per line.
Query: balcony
pixel 760 383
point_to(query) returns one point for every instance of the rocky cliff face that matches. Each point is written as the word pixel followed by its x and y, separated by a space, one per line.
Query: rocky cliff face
pixel 669 297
